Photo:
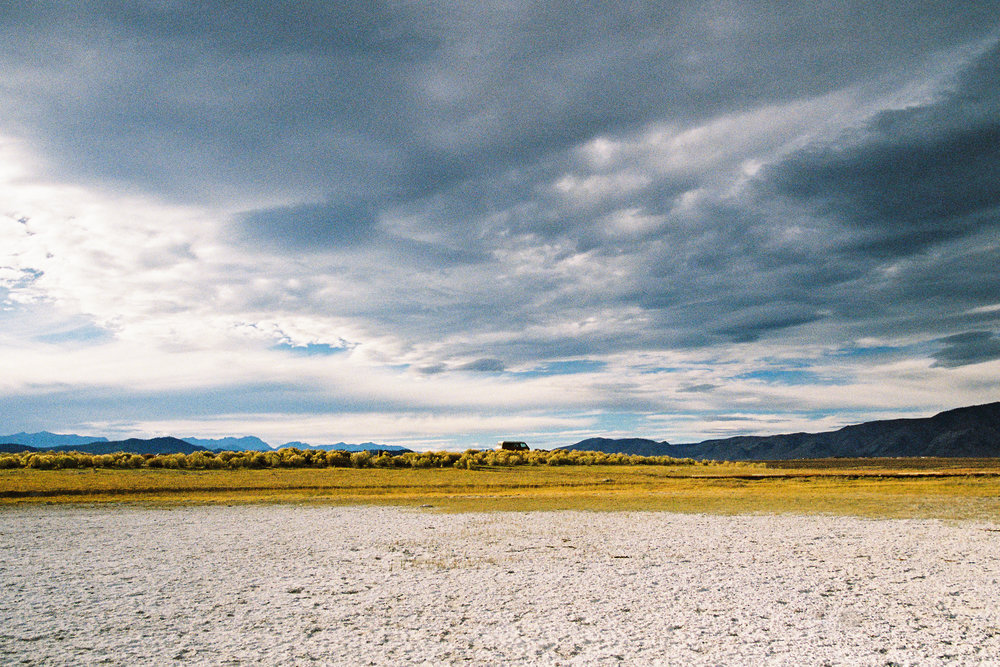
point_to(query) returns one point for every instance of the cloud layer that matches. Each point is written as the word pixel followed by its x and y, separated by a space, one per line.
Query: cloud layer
pixel 416 218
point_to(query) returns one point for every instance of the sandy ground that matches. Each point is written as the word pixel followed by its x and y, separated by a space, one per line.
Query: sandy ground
pixel 385 586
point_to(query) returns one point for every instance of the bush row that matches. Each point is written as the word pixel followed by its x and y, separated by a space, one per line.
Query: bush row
pixel 473 459
pixel 292 457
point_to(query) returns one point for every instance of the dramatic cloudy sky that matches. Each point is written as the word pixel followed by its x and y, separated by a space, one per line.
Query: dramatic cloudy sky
pixel 439 224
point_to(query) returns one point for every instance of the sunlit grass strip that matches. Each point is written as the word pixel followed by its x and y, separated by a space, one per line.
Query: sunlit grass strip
pixel 726 490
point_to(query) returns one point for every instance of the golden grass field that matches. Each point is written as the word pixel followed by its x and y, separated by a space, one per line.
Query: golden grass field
pixel 917 488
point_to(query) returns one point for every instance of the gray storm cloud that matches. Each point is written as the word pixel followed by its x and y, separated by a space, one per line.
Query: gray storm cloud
pixel 491 188
pixel 405 100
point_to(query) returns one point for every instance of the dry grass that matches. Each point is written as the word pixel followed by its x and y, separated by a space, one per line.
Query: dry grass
pixel 874 488
pixel 888 465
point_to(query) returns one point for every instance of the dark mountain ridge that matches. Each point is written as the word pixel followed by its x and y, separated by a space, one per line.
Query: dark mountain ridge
pixel 165 445
pixel 963 432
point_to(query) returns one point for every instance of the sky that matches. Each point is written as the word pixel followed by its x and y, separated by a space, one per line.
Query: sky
pixel 443 224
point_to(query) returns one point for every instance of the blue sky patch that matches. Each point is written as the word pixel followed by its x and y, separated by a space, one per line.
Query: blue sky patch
pixel 310 349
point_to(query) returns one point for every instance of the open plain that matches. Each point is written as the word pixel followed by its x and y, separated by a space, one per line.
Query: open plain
pixel 362 585
pixel 876 488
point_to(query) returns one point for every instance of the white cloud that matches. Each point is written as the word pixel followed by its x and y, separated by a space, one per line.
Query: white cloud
pixel 531 228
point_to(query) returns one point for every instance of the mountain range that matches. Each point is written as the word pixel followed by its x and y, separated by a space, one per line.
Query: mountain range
pixel 45 441
pixel 344 447
pixel 964 432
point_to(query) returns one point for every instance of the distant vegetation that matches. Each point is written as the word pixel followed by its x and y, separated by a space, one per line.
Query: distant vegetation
pixel 292 457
